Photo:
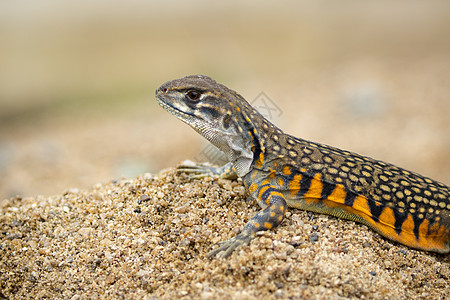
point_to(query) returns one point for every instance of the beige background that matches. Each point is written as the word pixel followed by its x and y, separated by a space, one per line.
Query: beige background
pixel 77 82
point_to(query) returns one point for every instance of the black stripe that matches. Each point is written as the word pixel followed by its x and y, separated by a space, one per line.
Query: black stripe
pixel 350 198
pixel 267 192
pixel 210 111
pixel 399 219
pixel 417 223
pixel 305 184
pixel 376 210
pixel 255 139
pixel 327 189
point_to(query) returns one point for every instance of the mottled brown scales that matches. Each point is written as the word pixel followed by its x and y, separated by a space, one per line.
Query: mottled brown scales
pixel 280 170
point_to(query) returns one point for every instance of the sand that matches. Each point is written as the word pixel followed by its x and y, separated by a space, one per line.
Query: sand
pixel 147 238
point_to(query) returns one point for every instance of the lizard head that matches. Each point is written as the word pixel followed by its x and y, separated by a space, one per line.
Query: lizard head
pixel 214 111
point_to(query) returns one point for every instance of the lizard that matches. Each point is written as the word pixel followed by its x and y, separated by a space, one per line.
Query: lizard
pixel 280 171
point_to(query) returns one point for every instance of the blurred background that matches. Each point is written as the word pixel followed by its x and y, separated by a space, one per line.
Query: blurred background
pixel 77 82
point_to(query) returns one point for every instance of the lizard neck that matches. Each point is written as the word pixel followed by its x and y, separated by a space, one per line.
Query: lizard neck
pixel 259 135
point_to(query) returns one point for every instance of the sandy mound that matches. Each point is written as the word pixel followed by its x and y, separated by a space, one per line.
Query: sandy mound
pixel 148 237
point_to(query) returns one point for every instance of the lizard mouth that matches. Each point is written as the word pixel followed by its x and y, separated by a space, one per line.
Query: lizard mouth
pixel 174 110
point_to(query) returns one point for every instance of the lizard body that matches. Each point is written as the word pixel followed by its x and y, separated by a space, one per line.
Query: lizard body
pixel 281 171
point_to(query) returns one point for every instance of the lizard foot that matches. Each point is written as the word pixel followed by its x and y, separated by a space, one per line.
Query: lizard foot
pixel 226 248
pixel 198 171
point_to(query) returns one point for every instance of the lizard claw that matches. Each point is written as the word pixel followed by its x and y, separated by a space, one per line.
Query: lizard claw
pixel 198 171
pixel 226 248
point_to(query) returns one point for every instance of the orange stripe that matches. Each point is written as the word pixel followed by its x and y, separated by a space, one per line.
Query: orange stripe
pixel 387 217
pixel 408 224
pixel 360 204
pixel 315 189
pixel 338 194
pixel 273 193
pixel 259 162
pixel 406 235
pixel 423 229
pixel 294 184
pixel 262 190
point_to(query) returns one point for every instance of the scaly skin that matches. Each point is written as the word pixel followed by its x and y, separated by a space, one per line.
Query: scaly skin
pixel 280 170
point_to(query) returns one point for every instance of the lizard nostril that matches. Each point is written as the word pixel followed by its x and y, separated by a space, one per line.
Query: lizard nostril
pixel 164 90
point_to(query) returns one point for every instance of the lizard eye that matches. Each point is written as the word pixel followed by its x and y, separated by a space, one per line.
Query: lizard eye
pixel 193 95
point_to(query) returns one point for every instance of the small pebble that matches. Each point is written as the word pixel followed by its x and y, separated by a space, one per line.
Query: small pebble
pixel 13 236
pixel 314 237
pixel 295 243
pixel 401 251
pixel 144 198
pixel 15 223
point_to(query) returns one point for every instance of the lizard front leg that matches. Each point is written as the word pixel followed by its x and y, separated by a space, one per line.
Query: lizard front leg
pixel 197 171
pixel 274 209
